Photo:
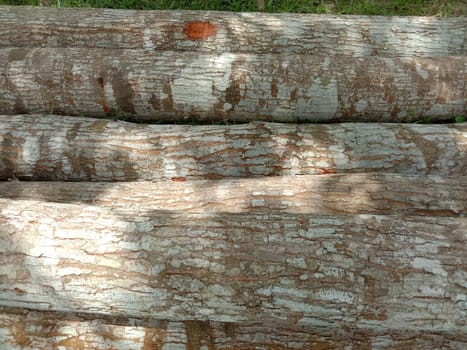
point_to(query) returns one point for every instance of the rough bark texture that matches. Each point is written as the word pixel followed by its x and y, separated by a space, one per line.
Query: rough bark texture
pixel 382 273
pixel 29 330
pixel 223 66
pixel 319 194
pixel 64 148
pixel 177 85
pixel 197 260
pixel 356 36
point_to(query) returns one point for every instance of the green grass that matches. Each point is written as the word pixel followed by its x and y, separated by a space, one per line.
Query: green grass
pixel 363 7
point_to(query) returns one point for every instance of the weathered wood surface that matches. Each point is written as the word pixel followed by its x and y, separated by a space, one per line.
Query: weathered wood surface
pixel 64 148
pixel 360 261
pixel 223 66
pixel 383 273
pixel 33 330
pixel 329 194
pixel 356 36
pixel 177 85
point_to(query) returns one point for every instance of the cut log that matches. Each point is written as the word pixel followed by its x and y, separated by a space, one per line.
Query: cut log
pixel 195 259
pixel 63 148
pixel 356 36
pixel 178 85
pixel 381 273
pixel 246 66
pixel 328 194
pixel 26 329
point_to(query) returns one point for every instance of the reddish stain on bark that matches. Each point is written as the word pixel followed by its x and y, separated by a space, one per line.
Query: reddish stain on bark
pixel 327 171
pixel 179 179
pixel 20 291
pixel 200 30
pixel 100 83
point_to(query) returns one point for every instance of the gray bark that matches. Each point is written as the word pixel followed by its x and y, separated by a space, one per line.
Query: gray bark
pixel 45 330
pixel 246 66
pixel 63 148
pixel 355 36
pixel 319 261
pixel 178 85
pixel 328 194
pixel 381 273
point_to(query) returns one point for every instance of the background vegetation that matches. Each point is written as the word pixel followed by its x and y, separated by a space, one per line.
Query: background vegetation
pixel 363 7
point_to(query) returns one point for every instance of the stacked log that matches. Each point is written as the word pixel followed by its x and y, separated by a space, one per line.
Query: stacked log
pixel 257 235
pixel 42 147
pixel 216 259
pixel 231 67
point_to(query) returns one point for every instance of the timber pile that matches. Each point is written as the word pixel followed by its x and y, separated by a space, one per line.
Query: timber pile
pixel 261 235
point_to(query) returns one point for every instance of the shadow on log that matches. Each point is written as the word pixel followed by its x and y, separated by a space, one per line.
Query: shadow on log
pixel 328 194
pixel 198 259
pixel 180 85
pixel 89 331
pixel 45 147
pixel 365 271
pixel 217 32
pixel 156 65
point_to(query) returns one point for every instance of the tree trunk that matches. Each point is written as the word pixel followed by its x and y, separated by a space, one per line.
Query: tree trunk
pixel 27 330
pixel 319 194
pixel 179 85
pixel 64 148
pixel 378 272
pixel 252 33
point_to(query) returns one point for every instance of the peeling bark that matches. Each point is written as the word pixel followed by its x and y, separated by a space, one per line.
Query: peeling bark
pixel 328 194
pixel 356 36
pixel 177 85
pixel 382 273
pixel 63 148
pixel 33 330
